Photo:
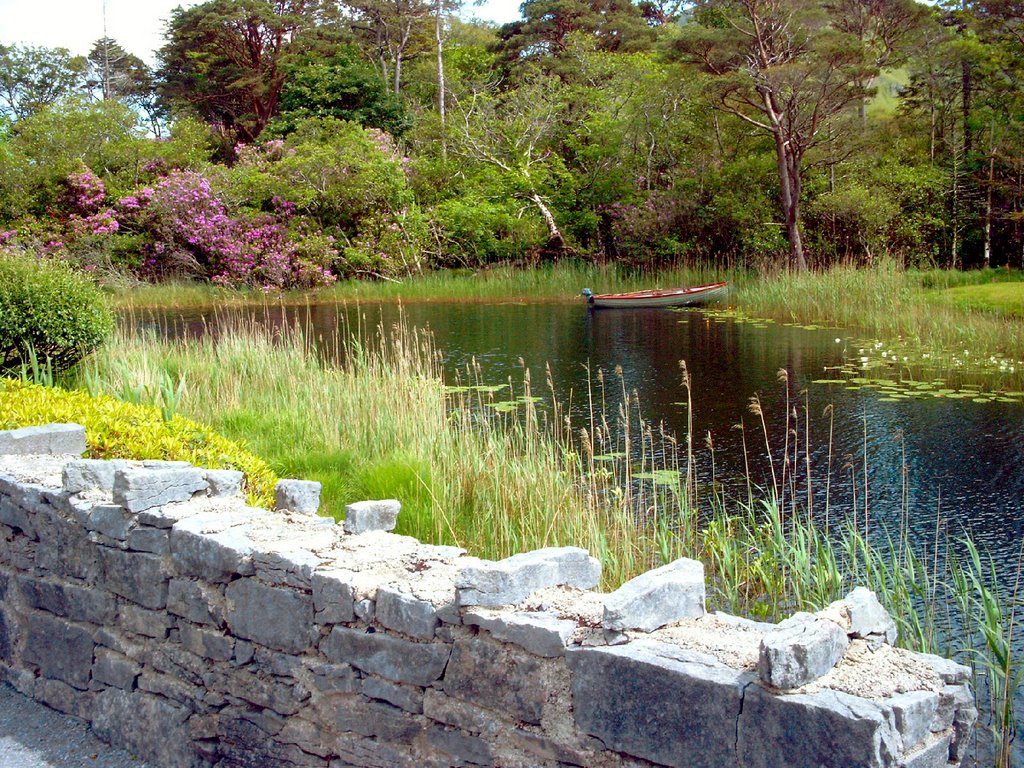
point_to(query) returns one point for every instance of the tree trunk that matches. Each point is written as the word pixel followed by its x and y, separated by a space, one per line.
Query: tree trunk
pixel 988 196
pixel 440 65
pixel 556 243
pixel 789 189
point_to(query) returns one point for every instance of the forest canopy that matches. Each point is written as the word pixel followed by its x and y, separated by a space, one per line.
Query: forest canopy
pixel 291 142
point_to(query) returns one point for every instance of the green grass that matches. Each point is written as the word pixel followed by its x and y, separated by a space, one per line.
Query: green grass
pixel 1005 299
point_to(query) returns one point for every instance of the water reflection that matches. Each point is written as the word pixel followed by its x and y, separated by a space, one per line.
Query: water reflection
pixel 952 460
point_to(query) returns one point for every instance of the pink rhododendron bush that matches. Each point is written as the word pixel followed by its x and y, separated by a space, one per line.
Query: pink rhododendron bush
pixel 330 201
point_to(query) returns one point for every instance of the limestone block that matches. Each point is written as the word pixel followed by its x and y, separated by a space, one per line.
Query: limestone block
pixel 656 598
pixel 110 520
pixel 224 482
pixel 293 567
pixel 934 754
pixel 145 725
pixel 64 698
pixel 948 670
pixel 205 643
pixel 867 616
pixel 61 650
pixel 915 712
pixel 693 724
pixel 366 516
pixel 406 613
pixel 374 719
pixel 333 596
pixel 140 488
pixel 140 621
pixel 824 728
pixel 90 475
pixel 67 600
pixel 302 496
pixel 51 439
pixel 207 546
pixel 137 576
pixel 460 746
pixel 334 678
pixel 444 709
pixel 543 634
pixel 515 578
pixel 284 699
pixel 272 616
pixel 392 658
pixel 498 676
pixel 16 516
pixel 65 549
pixel 195 601
pixel 404 697
pixel 157 541
pixel 116 669
pixel 797 652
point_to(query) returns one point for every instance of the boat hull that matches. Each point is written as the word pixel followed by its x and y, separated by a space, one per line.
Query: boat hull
pixel 682 297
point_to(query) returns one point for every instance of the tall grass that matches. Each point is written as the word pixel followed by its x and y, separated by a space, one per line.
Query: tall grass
pixel 499 469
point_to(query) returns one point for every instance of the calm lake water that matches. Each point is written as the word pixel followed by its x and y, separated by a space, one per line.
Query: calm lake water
pixel 963 460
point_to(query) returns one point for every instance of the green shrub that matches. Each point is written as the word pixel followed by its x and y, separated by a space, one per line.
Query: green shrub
pixel 115 429
pixel 47 307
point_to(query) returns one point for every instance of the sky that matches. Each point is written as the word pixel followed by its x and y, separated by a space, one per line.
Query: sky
pixel 136 24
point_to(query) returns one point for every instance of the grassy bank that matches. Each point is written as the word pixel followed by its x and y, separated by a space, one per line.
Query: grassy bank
pixel 489 469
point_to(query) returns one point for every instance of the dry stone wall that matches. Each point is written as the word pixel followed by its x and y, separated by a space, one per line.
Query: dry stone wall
pixel 148 599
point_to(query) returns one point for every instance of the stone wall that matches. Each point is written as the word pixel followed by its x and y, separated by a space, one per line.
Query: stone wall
pixel 193 630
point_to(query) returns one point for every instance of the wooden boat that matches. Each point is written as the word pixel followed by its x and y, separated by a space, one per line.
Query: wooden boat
pixel 675 297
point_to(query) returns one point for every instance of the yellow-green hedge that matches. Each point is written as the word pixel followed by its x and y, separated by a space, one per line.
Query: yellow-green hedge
pixel 118 430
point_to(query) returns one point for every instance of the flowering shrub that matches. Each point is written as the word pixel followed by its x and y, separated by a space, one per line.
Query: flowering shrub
pixel 85 192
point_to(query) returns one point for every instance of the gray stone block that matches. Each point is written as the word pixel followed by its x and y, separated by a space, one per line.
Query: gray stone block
pixel 224 482
pixel 205 643
pixel 116 669
pixel 137 576
pixel 656 598
pixel 140 621
pixel 51 439
pixel 272 616
pixel 334 678
pixel 333 596
pixel 366 516
pixel 68 600
pixel 798 652
pixel 146 725
pixel 64 698
pixel 365 609
pixel 693 723
pixel 406 613
pixel 215 555
pixel 392 658
pixel 867 616
pixel 110 520
pixel 90 475
pixel 140 488
pixel 915 712
pixel 933 754
pixel 302 496
pixel 539 633
pixel 15 516
pixel 499 677
pixel 462 747
pixel 404 697
pixel 196 601
pixel 821 729
pixel 515 578
pixel 157 541
pixel 61 650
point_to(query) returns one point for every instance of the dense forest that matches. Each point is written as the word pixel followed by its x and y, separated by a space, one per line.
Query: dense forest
pixel 284 143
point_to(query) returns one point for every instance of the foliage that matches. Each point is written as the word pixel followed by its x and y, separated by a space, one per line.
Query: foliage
pixel 115 429
pixel 48 310
pixel 34 77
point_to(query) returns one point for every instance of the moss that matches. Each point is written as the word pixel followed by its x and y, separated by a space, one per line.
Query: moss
pixel 118 430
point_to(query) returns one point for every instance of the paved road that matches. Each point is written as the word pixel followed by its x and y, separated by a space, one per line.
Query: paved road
pixel 35 736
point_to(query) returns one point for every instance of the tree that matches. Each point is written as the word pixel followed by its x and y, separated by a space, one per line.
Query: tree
pixel 394 31
pixel 34 77
pixel 224 60
pixel 784 67
pixel 512 133
pixel 116 75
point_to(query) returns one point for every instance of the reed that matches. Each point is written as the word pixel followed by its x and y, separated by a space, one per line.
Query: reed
pixel 500 468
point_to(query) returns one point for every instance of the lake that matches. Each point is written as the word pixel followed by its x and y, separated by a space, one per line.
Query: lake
pixel 944 460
